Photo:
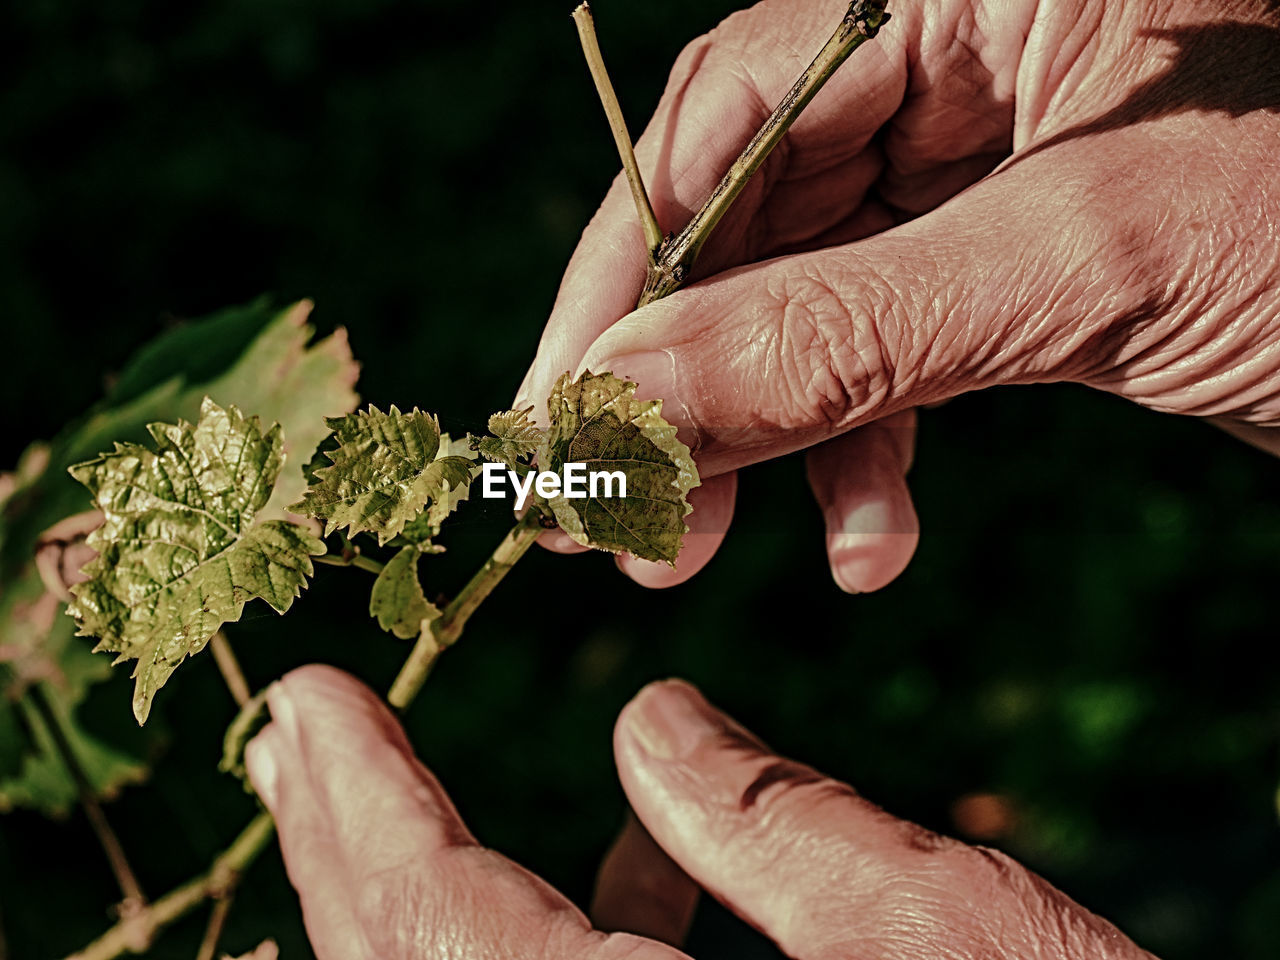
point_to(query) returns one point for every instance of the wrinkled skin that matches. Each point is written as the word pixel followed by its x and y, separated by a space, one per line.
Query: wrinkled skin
pixel 387 871
pixel 999 192
pixel 992 192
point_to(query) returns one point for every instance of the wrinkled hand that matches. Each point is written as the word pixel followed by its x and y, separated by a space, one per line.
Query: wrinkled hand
pixel 387 871
pixel 1130 243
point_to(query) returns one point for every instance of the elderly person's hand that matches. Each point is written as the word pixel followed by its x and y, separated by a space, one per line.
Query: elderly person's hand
pixel 1127 239
pixel 387 871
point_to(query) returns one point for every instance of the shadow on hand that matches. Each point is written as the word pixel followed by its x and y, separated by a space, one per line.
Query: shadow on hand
pixel 1231 67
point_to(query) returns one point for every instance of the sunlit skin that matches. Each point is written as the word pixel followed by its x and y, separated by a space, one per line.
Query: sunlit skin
pixel 387 870
pixel 1127 239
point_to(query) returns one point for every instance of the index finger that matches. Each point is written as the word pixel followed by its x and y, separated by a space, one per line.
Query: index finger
pixel 722 87
pixel 383 864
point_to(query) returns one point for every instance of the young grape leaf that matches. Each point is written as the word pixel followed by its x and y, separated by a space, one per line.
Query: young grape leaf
pixel 453 493
pixel 296 386
pixel 397 600
pixel 258 357
pixel 319 459
pixel 515 439
pixel 179 553
pixel 597 421
pixel 384 472
pixel 427 524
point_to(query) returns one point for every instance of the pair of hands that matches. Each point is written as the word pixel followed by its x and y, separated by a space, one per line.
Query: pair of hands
pixel 1127 240
pixel 388 871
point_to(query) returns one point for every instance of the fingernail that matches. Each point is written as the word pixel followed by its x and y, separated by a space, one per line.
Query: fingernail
pixel 653 370
pixel 849 567
pixel 559 541
pixel 260 764
pixel 283 712
pixel 862 563
pixel 655 374
pixel 670 719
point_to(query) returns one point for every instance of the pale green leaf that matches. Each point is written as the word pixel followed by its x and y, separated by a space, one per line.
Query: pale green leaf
pixel 257 357
pixel 179 553
pixel 385 470
pixel 296 386
pixel 34 774
pixel 397 600
pixel 515 438
pixel 597 421
pixel 454 492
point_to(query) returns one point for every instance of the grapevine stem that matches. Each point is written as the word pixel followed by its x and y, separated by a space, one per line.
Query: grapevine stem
pixel 446 629
pixel 675 259
pixel 134 899
pixel 354 560
pixel 670 263
pixel 217 883
pixel 225 657
pixel 586 25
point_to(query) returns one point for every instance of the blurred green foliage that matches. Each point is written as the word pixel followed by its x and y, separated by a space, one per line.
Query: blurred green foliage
pixel 1087 629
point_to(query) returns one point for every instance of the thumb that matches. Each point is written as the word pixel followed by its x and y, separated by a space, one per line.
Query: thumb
pixel 820 870
pixel 351 803
pixel 1019 279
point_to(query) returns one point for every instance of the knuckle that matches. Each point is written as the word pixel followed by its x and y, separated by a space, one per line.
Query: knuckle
pixel 923 906
pixel 788 807
pixel 392 913
pixel 1194 325
pixel 689 61
pixel 1018 912
pixel 725 48
pixel 987 872
pixel 736 34
pixel 469 901
pixel 959 876
pixel 799 789
pixel 742 53
pixel 1103 281
pixel 835 365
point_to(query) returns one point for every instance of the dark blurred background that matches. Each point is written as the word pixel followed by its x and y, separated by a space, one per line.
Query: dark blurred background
pixel 1087 633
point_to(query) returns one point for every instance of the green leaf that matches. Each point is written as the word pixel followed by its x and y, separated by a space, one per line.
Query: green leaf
pixel 179 553
pixel 43 783
pixel 319 459
pixel 257 357
pixel 397 601
pixel 35 775
pixel 426 525
pixel 198 351
pixel 515 439
pixel 296 386
pixel 454 492
pixel 596 420
pixel 384 472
